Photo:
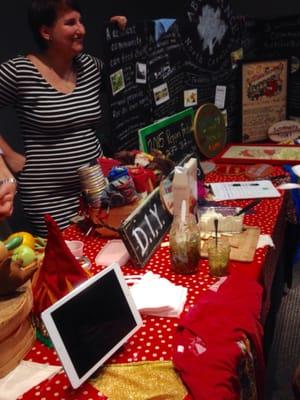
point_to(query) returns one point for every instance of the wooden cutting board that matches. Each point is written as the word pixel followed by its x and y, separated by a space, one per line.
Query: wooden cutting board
pixel 243 245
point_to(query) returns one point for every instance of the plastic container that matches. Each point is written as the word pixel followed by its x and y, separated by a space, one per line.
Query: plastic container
pixel 76 247
pixel 228 221
pixel 113 251
pixel 181 189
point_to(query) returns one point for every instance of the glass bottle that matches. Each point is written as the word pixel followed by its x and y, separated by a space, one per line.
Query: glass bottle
pixel 184 242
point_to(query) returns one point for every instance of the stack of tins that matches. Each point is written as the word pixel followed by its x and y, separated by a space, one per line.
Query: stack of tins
pixel 16 331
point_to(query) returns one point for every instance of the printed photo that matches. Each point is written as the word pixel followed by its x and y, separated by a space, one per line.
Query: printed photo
pixel 140 73
pixel 190 97
pixel 117 81
pixel 161 94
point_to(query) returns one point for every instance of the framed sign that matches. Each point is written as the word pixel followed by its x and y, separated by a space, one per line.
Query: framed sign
pixel 171 135
pixel 253 154
pixel 145 228
pixel 209 130
pixel 264 97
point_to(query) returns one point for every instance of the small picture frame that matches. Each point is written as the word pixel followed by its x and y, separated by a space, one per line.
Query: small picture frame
pixel 264 97
pixel 259 153
pixel 161 94
pixel 190 97
pixel 117 81
pixel 140 72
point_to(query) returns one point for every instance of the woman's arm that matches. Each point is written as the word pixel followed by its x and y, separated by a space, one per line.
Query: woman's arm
pixel 15 161
pixel 8 188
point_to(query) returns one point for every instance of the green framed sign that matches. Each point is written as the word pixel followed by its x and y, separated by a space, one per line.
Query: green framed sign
pixel 172 135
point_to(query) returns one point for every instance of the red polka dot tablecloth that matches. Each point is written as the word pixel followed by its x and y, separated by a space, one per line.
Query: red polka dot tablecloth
pixel 154 340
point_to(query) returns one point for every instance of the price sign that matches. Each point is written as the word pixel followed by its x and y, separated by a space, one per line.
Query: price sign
pixel 144 229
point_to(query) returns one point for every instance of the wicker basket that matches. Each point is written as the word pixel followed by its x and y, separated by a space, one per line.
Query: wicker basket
pixel 17 334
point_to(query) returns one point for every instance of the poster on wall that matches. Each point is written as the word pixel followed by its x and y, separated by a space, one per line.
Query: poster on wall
pixel 264 97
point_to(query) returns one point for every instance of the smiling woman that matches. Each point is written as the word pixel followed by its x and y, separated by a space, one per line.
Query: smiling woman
pixel 57 93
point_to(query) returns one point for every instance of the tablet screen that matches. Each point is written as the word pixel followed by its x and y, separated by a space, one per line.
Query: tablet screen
pixel 90 324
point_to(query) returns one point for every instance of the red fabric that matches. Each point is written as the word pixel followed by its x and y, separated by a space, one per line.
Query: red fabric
pixel 107 164
pixel 154 340
pixel 144 179
pixel 206 352
pixel 59 388
pixel 59 272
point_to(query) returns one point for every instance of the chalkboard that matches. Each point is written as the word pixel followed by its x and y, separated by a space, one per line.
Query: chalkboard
pixel 125 57
pixel 165 68
pixel 210 33
pixel 280 37
pixel 171 135
pixel 144 229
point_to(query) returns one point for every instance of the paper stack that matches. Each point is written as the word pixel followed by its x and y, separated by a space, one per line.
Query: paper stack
pixel 157 296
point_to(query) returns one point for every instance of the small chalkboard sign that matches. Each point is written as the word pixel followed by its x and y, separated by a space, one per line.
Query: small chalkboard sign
pixel 171 135
pixel 144 229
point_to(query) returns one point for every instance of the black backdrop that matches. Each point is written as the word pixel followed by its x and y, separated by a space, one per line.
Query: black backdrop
pixel 16 38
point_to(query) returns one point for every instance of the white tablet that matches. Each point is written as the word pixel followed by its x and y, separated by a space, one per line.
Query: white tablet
pixel 90 323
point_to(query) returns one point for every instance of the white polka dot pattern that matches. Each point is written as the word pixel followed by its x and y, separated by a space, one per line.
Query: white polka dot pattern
pixel 154 340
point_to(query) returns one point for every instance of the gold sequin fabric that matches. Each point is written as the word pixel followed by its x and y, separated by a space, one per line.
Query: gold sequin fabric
pixel 150 380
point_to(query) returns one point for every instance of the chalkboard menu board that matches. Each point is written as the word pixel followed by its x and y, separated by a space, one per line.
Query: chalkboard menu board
pixel 125 59
pixel 293 101
pixel 211 50
pixel 281 38
pixel 251 36
pixel 165 68
pixel 210 33
pixel 144 229
pixel 171 135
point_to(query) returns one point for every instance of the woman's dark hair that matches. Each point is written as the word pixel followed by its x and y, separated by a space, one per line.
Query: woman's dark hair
pixel 44 12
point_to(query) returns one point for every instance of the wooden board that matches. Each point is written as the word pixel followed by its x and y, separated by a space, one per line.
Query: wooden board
pixel 243 245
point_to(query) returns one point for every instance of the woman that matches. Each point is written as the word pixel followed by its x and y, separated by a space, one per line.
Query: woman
pixel 57 96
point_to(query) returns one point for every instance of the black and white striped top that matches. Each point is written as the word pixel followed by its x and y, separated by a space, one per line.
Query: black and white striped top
pixel 58 132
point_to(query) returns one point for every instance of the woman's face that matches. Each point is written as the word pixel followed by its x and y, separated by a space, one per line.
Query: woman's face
pixel 66 34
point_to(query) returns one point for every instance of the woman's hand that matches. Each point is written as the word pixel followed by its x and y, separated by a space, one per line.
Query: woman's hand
pixel 121 21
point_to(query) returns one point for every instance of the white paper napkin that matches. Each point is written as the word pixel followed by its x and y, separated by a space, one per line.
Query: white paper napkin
pixel 158 296
pixel 24 377
pixel 265 240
